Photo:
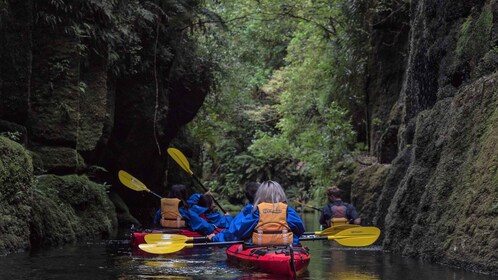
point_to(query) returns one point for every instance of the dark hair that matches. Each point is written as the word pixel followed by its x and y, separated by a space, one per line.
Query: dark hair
pixel 334 191
pixel 180 192
pixel 206 200
pixel 251 189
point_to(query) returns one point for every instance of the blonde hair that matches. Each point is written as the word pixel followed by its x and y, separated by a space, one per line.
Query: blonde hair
pixel 270 192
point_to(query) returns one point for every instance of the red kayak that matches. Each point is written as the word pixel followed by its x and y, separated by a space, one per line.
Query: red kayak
pixel 272 260
pixel 138 237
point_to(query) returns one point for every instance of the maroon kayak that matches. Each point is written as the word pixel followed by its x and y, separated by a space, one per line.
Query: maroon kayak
pixel 272 260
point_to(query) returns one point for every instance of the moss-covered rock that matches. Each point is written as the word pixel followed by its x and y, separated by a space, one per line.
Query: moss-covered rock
pixel 366 188
pixel 70 208
pixel 444 206
pixel 59 160
pixel 16 177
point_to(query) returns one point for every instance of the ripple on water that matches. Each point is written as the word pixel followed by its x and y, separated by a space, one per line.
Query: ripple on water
pixel 188 264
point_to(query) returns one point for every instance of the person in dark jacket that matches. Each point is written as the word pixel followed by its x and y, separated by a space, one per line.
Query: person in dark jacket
pixel 336 211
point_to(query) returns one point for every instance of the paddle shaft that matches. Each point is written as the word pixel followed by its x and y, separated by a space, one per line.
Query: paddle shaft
pixel 155 194
pixel 196 244
pixel 309 206
pixel 202 242
pixel 314 238
pixel 204 188
pixel 182 161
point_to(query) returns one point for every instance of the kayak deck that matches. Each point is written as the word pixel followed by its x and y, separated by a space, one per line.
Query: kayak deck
pixel 272 260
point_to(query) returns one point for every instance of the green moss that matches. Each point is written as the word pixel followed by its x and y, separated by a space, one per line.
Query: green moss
pixel 464 35
pixel 16 178
pixel 474 36
pixel 71 208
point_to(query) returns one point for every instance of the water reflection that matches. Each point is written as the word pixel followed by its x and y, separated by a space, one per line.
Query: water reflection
pixel 113 260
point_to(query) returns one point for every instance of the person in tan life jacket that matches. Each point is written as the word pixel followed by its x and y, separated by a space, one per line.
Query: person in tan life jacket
pixel 174 208
pixel 175 212
pixel 271 222
pixel 338 212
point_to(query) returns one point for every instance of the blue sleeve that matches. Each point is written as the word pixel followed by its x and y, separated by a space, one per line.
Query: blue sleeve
pixel 240 228
pixel 219 220
pixel 295 223
pixel 185 214
pixel 157 217
pixel 193 199
pixel 325 215
pixel 247 209
pixel 351 213
pixel 198 210
pixel 198 224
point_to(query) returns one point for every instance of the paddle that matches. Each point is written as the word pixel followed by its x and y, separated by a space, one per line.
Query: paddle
pixel 154 238
pixel 172 247
pixel 353 237
pixel 133 183
pixel 179 158
pixel 306 205
pixel 331 230
pixel 157 237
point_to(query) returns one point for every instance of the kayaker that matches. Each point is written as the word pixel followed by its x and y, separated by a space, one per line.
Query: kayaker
pixel 271 221
pixel 175 212
pixel 336 211
pixel 206 209
pixel 250 191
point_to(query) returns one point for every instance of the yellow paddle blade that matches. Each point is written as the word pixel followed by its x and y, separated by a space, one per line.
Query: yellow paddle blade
pixel 164 248
pixel 333 230
pixel 356 237
pixel 180 159
pixel 154 238
pixel 131 182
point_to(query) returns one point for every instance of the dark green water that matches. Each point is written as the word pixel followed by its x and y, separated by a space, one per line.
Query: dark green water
pixel 111 261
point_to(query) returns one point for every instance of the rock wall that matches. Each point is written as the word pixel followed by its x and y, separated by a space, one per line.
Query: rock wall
pixel 16 179
pixel 78 90
pixel 439 196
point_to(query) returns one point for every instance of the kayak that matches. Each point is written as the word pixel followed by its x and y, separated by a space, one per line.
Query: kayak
pixel 138 237
pixel 272 260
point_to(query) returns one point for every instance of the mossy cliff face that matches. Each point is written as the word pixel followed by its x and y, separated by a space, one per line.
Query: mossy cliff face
pixel 70 208
pixel 48 209
pixel 16 178
pixel 439 196
pixel 444 207
pixel 79 90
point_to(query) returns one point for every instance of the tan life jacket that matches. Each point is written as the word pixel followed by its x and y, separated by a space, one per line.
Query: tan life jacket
pixel 272 227
pixel 338 221
pixel 339 216
pixel 170 216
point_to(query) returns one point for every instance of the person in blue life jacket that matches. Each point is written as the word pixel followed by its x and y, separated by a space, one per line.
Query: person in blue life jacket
pixel 175 212
pixel 250 191
pixel 205 209
pixel 336 211
pixel 270 222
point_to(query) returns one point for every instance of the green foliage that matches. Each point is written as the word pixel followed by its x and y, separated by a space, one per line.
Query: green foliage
pixel 125 31
pixel 287 75
pixel 474 37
